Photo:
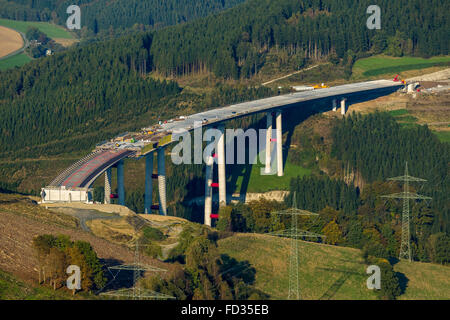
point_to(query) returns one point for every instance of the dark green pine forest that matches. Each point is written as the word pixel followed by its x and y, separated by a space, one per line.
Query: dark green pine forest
pixel 235 43
pixel 99 15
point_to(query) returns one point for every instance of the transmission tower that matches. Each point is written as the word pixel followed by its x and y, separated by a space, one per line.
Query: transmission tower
pixel 136 293
pixel 405 248
pixel 294 234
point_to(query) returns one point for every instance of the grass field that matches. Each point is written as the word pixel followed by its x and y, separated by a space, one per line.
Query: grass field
pixel 378 65
pixel 51 30
pixel 264 183
pixel 14 61
pixel 425 280
pixel 327 272
pixel 444 136
pixel 13 289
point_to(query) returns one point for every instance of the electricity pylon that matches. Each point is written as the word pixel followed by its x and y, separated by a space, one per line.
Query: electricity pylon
pixel 136 293
pixel 405 247
pixel 294 233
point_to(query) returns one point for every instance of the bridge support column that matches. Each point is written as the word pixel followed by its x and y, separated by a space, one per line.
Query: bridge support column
pixel 334 104
pixel 148 182
pixel 268 142
pixel 162 182
pixel 221 168
pixel 120 183
pixel 107 186
pixel 279 144
pixel 343 106
pixel 208 190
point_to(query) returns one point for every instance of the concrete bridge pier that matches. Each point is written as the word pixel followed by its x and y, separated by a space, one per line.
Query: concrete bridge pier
pixel 208 190
pixel 268 142
pixel 221 167
pixel 279 144
pixel 120 183
pixel 343 106
pixel 162 182
pixel 148 183
pixel 107 199
pixel 334 105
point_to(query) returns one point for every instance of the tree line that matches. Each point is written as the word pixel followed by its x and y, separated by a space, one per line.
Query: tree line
pixel 101 15
pixel 55 253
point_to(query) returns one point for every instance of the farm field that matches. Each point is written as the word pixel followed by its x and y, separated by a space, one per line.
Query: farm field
pixel 11 41
pixel 379 65
pixel 51 30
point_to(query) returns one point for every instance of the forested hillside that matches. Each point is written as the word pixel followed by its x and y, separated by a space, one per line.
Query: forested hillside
pixel 61 103
pixel 99 15
pixel 235 43
pixel 76 93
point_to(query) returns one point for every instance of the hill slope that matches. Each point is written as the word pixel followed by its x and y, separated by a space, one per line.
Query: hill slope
pixel 21 220
pixel 328 272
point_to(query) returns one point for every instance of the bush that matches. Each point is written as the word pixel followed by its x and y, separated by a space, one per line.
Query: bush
pixel 153 250
pixel 390 284
pixel 154 234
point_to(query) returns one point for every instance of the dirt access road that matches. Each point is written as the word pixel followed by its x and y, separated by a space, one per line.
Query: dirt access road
pixel 84 215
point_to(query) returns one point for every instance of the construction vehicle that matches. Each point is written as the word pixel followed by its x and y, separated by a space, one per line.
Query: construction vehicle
pixel 320 86
pixel 396 79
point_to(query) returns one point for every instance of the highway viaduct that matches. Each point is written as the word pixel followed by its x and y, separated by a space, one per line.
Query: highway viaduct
pixel 74 182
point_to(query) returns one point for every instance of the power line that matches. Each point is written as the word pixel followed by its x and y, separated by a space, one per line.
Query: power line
pixel 136 293
pixel 405 246
pixel 294 234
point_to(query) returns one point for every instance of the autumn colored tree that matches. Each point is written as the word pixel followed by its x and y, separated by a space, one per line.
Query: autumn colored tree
pixel 332 233
pixel 55 254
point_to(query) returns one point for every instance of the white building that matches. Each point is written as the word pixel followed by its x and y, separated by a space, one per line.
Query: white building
pixel 61 194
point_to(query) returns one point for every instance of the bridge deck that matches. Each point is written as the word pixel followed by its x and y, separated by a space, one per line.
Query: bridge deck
pixel 277 102
pixel 85 171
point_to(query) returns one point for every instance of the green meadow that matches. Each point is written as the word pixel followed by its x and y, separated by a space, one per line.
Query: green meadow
pixel 51 30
